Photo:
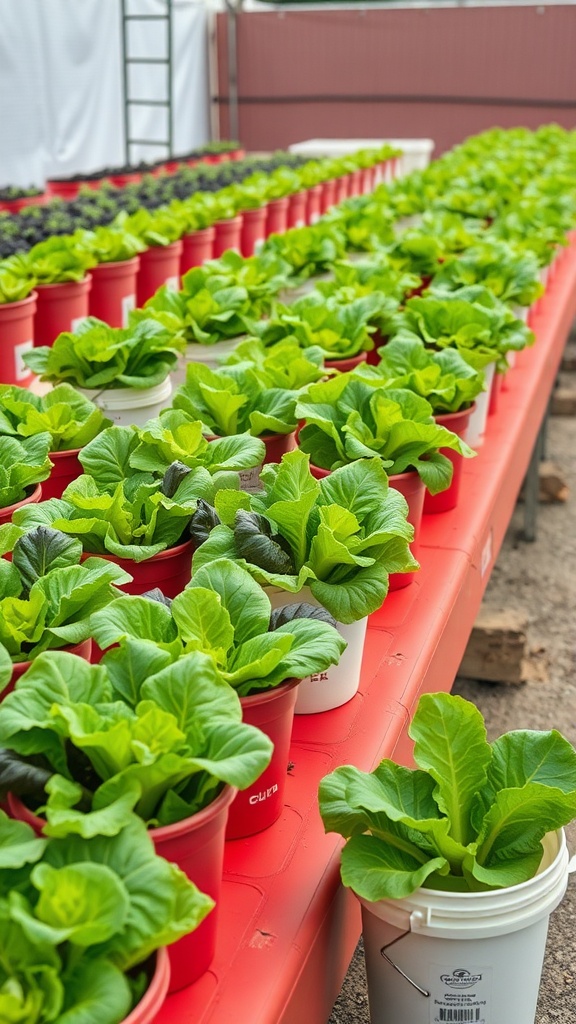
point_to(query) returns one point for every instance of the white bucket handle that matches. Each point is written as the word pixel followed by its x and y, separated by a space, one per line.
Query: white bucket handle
pixel 423 991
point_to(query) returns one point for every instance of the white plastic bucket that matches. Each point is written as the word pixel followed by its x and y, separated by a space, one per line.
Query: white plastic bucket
pixel 131 406
pixel 208 355
pixel 340 682
pixel 465 957
pixel 288 295
pixel 477 421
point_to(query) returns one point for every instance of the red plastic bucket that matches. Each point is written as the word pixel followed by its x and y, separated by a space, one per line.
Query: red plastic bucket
pixel 16 338
pixel 113 293
pixel 196 845
pixel 344 365
pixel 83 650
pixel 411 486
pixel 147 1008
pixel 297 204
pixel 7 513
pixel 237 154
pixel 169 570
pixel 277 217
pixel 355 183
pixel 276 446
pixel 313 204
pixel 342 188
pixel 443 502
pixel 60 307
pixel 64 189
pixel 253 230
pixel 328 197
pixel 121 180
pixel 197 247
pixel 158 265
pixel 66 467
pixel 228 235
pixel 15 205
pixel 366 181
pixel 259 806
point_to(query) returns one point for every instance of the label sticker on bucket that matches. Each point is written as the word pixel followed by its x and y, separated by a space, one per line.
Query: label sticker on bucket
pixel 21 371
pixel 460 995
pixel 250 480
pixel 172 283
pixel 75 323
pixel 128 304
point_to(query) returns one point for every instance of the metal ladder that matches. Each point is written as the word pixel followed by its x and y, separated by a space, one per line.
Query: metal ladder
pixel 130 101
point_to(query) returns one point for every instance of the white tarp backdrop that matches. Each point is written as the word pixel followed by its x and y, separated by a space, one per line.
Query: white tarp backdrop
pixel 61 88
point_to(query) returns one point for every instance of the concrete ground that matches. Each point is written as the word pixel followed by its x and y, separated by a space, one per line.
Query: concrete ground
pixel 539 579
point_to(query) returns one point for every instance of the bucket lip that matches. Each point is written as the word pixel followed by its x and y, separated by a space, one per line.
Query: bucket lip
pixel 217 346
pixel 279 204
pixel 232 222
pixel 156 991
pixel 70 649
pixel 64 453
pixel 63 287
pixel 170 248
pixel 202 234
pixel 116 265
pixel 131 398
pixel 28 500
pixel 8 307
pixel 468 897
pixel 178 549
pixel 254 700
pixel 442 417
pixel 195 821
pixel 257 213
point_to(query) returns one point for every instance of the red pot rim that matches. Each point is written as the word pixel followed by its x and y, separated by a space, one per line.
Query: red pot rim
pixel 146 1009
pixel 168 553
pixel 281 203
pixel 255 213
pixel 202 234
pixel 449 417
pixel 66 286
pixel 114 265
pixel 229 222
pixel 66 452
pixel 28 500
pixel 197 820
pixel 409 474
pixel 8 307
pixel 23 666
pixel 268 696
pixel 170 247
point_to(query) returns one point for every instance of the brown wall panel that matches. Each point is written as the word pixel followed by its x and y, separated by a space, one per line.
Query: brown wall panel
pixel 438 72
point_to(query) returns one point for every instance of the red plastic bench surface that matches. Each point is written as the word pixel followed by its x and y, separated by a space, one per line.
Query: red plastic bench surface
pixel 287 927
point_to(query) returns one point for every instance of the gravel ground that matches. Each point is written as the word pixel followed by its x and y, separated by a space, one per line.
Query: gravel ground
pixel 540 580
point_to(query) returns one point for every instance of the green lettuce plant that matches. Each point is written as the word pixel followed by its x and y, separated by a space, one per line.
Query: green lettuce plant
pixel 79 918
pixel 339 329
pixel 470 817
pixel 164 747
pixel 24 463
pixel 308 251
pixel 340 536
pixel 235 399
pixel 114 508
pixel 176 437
pixel 282 365
pixel 350 418
pixel 209 308
pixel 471 320
pixel 443 378
pixel 110 243
pixel 16 279
pixel 226 614
pixel 511 276
pixel 47 594
pixel 71 419
pixel 99 357
pixel 59 259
